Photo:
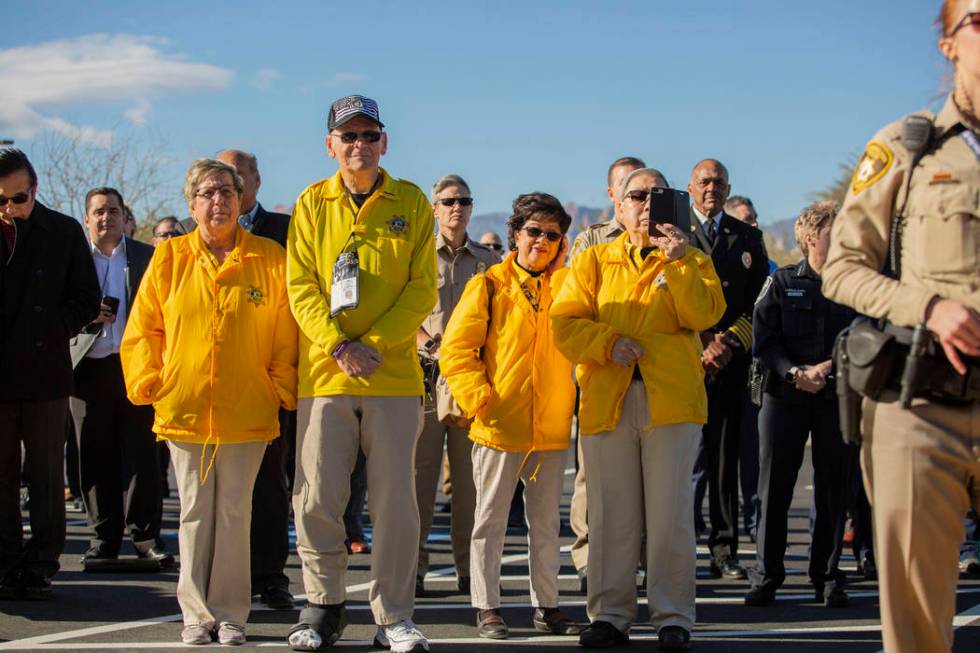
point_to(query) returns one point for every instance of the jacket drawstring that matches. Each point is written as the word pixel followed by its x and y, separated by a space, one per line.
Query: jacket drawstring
pixel 202 471
pixel 534 474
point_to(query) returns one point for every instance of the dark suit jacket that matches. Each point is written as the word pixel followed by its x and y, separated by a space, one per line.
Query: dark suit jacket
pixel 137 258
pixel 49 292
pixel 741 262
pixel 274 226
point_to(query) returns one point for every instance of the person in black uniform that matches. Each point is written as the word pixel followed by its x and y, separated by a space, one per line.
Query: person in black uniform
pixel 740 259
pixel 794 327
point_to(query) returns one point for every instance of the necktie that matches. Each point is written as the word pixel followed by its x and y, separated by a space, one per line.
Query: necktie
pixel 709 230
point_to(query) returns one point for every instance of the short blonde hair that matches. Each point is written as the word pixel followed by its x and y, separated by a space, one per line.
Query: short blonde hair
pixel 812 220
pixel 202 168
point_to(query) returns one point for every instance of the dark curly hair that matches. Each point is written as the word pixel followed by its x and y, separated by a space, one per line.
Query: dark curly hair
pixel 536 206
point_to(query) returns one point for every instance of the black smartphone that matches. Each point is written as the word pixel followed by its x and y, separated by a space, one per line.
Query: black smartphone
pixel 111 305
pixel 668 206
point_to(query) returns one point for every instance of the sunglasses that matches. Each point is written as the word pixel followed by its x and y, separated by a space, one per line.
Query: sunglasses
pixel 453 201
pixel 638 196
pixel 19 198
pixel 534 233
pixel 369 136
pixel 972 18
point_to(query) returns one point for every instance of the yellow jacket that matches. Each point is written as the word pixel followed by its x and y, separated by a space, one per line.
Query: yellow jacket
pixel 394 233
pixel 508 375
pixel 212 347
pixel 612 292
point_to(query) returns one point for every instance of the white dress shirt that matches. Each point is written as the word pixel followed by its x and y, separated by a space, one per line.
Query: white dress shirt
pixel 703 219
pixel 247 220
pixel 111 271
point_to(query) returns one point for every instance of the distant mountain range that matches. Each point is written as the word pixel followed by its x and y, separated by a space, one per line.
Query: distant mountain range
pixel 779 235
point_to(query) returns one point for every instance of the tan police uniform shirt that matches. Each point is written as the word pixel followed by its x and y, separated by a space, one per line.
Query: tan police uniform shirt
pixel 940 241
pixel 455 268
pixel 603 232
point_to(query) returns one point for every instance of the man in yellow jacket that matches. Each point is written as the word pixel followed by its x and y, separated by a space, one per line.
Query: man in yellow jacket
pixel 361 267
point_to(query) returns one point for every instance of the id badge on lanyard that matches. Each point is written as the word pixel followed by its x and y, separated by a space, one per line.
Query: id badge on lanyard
pixel 344 290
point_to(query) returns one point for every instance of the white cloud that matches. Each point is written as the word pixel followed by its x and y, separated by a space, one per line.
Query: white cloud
pixel 139 113
pixel 264 77
pixel 92 69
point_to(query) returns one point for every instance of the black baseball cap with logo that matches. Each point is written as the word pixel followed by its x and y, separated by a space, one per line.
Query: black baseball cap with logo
pixel 347 108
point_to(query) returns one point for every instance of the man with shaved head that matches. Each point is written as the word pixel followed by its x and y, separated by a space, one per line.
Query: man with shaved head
pixel 740 259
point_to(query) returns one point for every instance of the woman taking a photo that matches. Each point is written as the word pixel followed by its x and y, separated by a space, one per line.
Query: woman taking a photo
pixel 629 314
pixel 502 367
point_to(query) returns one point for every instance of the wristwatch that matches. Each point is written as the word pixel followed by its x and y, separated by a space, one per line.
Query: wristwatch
pixel 791 374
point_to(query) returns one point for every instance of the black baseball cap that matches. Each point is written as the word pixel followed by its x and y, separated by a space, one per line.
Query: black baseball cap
pixel 348 108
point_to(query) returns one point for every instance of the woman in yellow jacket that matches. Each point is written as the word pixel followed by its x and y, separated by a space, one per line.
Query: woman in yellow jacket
pixel 211 343
pixel 499 360
pixel 629 314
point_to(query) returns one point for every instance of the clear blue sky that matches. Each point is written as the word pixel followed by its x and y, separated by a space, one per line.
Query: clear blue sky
pixel 513 96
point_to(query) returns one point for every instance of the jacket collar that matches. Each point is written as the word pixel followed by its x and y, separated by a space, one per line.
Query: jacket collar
pixel 334 187
pixel 441 243
pixel 193 244
pixel 40 216
pixel 949 117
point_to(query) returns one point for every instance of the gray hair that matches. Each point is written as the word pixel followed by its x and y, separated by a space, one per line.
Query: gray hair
pixel 202 168
pixel 649 172
pixel 447 182
pixel 241 154
pixel 736 201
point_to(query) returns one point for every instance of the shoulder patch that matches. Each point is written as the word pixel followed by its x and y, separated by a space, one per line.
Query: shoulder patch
pixel 872 166
pixel 765 289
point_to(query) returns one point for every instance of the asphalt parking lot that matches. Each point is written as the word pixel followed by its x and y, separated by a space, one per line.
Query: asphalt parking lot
pixel 138 612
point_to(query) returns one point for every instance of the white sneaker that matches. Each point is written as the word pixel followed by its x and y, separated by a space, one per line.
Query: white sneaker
pixel 196 634
pixel 305 640
pixel 402 637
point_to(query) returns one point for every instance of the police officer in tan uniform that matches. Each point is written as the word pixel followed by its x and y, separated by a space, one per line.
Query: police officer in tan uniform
pixel 602 232
pixel 459 257
pixel 922 464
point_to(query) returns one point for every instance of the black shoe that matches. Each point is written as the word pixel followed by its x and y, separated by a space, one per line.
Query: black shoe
pixel 156 553
pixel 552 620
pixel 491 625
pixel 463 584
pixel 869 570
pixel 583 580
pixel 602 634
pixel 759 597
pixel 835 598
pixel 674 638
pixel 728 569
pixel 29 585
pixel 277 598
pixel 99 552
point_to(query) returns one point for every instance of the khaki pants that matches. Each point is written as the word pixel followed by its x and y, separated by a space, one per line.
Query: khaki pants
pixel 329 432
pixel 215 583
pixel 428 464
pixel 920 466
pixel 577 515
pixel 638 476
pixel 495 476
